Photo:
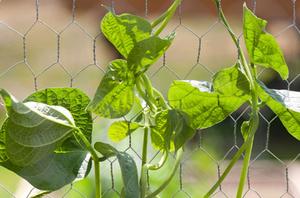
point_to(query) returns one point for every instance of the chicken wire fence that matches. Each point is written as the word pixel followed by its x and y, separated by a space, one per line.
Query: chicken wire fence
pixel 58 43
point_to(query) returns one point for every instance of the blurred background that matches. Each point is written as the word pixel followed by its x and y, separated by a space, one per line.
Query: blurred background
pixel 57 43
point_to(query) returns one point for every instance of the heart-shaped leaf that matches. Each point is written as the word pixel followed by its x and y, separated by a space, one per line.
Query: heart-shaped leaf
pixel 114 97
pixel 49 166
pixel 125 30
pixel 206 106
pixel 262 46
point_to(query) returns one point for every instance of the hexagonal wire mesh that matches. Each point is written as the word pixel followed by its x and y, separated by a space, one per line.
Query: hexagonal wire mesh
pixel 57 43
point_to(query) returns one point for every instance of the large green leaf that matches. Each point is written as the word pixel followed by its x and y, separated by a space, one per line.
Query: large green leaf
pixel 146 52
pixel 206 107
pixel 231 82
pixel 53 168
pixel 128 168
pixel 286 105
pixel 27 140
pixel 54 171
pixel 262 46
pixel 121 129
pixel 125 30
pixel 114 97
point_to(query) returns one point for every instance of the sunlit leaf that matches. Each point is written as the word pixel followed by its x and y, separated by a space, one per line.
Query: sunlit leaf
pixel 286 105
pixel 121 129
pixel 146 52
pixel 125 30
pixel 114 97
pixel 206 107
pixel 262 46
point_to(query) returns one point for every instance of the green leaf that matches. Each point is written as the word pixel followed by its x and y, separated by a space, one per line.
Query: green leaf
pixel 54 171
pixel 3 154
pixel 171 130
pixel 69 161
pixel 206 107
pixel 245 129
pixel 262 46
pixel 40 195
pixel 183 131
pixel 146 52
pixel 128 168
pixel 26 140
pixel 114 97
pixel 285 104
pixel 121 129
pixel 231 81
pixel 105 149
pixel 125 30
pixel 129 175
pixel 162 131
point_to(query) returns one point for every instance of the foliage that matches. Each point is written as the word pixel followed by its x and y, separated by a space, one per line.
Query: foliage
pixel 46 139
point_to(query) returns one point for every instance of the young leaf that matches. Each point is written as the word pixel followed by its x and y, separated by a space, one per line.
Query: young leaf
pixel 121 129
pixel 128 168
pixel 162 131
pixel 183 131
pixel 114 97
pixel 285 104
pixel 171 130
pixel 146 52
pixel 262 46
pixel 244 129
pixel 105 149
pixel 125 30
pixel 204 107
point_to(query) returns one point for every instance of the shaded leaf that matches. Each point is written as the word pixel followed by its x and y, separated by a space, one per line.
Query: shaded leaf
pixel 285 104
pixel 69 161
pixel 129 175
pixel 125 30
pixel 54 171
pixel 147 52
pixel 105 149
pixel 128 168
pixel 171 130
pixel 114 97
pixel 121 129
pixel 262 46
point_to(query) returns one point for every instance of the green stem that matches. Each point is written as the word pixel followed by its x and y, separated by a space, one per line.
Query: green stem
pixel 160 164
pixel 95 159
pixel 165 18
pixel 169 179
pixel 143 182
pixel 139 87
pixel 251 132
pixel 245 169
pixel 248 71
pixel 255 121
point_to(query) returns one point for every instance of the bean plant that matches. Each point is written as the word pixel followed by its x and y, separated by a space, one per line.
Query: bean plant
pixel 47 138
